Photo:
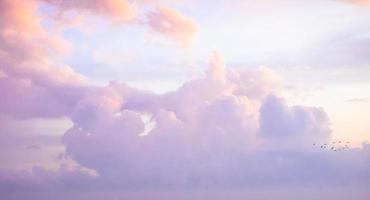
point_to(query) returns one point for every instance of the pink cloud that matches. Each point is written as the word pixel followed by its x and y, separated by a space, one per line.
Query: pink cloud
pixel 358 2
pixel 37 82
pixel 204 132
pixel 119 11
pixel 164 21
pixel 209 133
pixel 172 24
pixel 292 126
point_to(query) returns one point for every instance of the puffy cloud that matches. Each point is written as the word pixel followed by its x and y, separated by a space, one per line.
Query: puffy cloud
pixel 172 24
pixel 26 99
pixel 201 120
pixel 213 132
pixel 207 134
pixel 299 125
pixel 26 49
pixel 210 133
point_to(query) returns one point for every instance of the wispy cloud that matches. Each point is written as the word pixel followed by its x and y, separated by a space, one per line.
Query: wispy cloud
pixel 358 100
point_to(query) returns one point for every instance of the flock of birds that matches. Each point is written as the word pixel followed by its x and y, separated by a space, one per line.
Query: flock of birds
pixel 334 146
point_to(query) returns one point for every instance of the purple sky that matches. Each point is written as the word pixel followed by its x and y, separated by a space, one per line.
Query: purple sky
pixel 151 99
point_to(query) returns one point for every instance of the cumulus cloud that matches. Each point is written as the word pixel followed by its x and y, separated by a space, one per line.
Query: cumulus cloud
pixel 26 49
pixel 214 131
pixel 172 24
pixel 299 125
pixel 221 130
pixel 205 135
pixel 217 131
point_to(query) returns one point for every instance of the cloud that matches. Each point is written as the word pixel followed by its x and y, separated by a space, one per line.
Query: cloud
pixel 205 135
pixel 26 66
pixel 39 86
pixel 183 119
pixel 25 144
pixel 343 49
pixel 163 20
pixel 299 125
pixel 172 24
pixel 358 100
pixel 226 129
pixel 119 11
pixel 358 2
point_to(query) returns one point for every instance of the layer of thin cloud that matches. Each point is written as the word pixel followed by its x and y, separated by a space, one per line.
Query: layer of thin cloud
pixel 164 21
pixel 119 11
pixel 358 2
pixel 358 100
pixel 24 144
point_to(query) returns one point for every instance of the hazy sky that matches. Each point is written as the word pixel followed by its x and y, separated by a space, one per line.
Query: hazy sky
pixel 176 99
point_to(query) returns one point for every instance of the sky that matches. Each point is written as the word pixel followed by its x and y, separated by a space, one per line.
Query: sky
pixel 175 99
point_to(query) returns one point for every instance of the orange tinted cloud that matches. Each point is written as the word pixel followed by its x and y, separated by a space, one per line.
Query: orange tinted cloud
pixel 358 2
pixel 117 10
pixel 172 24
pixel 31 82
pixel 163 20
